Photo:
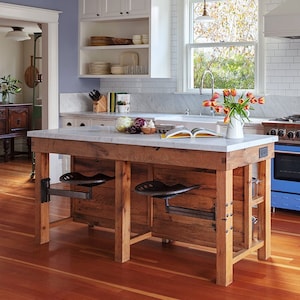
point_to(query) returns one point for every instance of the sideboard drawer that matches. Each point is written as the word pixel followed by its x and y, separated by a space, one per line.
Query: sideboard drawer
pixel 2 121
pixel 18 119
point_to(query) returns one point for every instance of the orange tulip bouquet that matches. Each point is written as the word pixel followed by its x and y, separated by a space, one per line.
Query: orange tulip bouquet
pixel 232 107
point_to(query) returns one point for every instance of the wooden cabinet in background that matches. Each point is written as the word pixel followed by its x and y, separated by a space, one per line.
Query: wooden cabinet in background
pixel 15 121
pixel 18 119
pixel 3 121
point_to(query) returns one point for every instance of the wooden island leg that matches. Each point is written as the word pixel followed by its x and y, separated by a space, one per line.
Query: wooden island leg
pixel 264 209
pixel 42 218
pixel 224 227
pixel 122 211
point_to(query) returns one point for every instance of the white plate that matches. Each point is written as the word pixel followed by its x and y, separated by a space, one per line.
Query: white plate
pixel 129 59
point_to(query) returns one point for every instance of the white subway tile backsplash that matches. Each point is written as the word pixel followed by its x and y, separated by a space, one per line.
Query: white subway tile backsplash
pixel 282 62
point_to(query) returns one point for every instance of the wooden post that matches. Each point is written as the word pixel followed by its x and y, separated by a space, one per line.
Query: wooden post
pixel 42 220
pixel 248 209
pixel 224 227
pixel 264 209
pixel 122 210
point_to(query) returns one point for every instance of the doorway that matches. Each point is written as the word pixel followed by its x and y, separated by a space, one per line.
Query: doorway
pixel 49 22
pixel 49 91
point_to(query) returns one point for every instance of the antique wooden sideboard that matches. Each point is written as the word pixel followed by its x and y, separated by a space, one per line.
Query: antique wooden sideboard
pixel 15 121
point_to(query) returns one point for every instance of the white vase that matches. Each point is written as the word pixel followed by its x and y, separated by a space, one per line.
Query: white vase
pixel 5 98
pixel 235 128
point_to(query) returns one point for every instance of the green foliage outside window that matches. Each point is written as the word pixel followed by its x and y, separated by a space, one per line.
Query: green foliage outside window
pixel 234 32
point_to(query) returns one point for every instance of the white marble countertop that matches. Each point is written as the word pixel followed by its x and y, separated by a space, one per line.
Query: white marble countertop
pixel 163 118
pixel 108 134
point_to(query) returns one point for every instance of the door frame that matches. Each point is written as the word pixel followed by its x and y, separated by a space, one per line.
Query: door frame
pixel 49 22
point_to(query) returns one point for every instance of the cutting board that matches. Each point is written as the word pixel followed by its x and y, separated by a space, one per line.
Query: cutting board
pixel 31 74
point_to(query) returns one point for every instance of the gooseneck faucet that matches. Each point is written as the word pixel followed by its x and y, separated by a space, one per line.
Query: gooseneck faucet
pixel 212 112
pixel 212 81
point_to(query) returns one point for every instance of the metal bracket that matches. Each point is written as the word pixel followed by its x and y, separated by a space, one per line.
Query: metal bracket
pixel 46 191
pixel 189 212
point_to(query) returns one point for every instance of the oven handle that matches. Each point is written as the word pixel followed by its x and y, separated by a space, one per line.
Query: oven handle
pixel 287 152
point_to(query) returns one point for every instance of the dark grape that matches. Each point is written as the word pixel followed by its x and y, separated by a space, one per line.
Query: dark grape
pixel 134 130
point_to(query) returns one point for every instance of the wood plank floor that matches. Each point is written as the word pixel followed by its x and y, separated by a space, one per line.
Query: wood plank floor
pixel 78 262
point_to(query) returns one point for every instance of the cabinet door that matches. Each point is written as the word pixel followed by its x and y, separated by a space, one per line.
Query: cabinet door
pixel 74 122
pixel 116 8
pixel 67 122
pixel 138 7
pixel 90 8
pixel 113 8
pixel 104 122
pixel 2 121
pixel 18 119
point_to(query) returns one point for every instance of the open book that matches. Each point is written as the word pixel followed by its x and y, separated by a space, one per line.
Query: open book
pixel 183 132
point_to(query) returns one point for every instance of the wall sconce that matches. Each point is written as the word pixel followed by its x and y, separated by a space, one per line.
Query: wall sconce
pixel 205 17
pixel 17 34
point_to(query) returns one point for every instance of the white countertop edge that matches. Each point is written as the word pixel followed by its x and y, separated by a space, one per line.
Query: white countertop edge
pixel 108 134
pixel 161 117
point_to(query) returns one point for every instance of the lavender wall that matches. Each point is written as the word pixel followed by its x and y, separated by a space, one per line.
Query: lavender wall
pixel 68 44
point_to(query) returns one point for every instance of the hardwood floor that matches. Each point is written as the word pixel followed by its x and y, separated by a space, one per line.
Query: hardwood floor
pixel 78 261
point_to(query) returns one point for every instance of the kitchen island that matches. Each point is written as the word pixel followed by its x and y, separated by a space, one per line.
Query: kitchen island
pixel 222 167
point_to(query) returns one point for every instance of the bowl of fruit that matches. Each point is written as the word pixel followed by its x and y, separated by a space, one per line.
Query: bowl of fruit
pixel 135 126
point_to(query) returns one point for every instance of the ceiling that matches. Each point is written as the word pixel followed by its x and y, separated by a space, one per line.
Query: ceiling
pixel 29 27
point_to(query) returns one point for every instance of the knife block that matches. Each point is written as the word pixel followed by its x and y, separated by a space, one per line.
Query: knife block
pixel 100 105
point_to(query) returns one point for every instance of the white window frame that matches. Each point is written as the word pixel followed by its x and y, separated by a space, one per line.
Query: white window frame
pixel 185 76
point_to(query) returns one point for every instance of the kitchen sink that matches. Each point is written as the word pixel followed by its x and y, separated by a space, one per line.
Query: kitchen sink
pixel 190 118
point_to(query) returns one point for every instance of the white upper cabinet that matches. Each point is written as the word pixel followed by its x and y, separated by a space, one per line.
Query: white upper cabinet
pixel 127 8
pixel 139 7
pixel 106 30
pixel 92 9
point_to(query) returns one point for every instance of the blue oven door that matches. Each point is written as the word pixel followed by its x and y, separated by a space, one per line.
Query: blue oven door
pixel 285 180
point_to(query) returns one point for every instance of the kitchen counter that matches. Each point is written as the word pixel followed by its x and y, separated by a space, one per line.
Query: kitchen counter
pixel 222 167
pixel 160 117
pixel 190 121
pixel 108 134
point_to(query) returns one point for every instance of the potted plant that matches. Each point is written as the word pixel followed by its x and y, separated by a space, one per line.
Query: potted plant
pixel 9 86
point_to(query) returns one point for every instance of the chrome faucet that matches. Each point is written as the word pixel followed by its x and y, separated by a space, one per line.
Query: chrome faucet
pixel 212 81
pixel 212 112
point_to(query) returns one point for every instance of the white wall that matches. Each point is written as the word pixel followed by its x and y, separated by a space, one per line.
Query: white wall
pixel 11 61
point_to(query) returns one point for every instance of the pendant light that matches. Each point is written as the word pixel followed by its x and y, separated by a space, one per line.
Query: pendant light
pixel 205 17
pixel 17 34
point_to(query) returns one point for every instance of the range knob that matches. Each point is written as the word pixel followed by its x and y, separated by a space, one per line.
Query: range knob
pixel 291 134
pixel 298 134
pixel 273 131
pixel 281 132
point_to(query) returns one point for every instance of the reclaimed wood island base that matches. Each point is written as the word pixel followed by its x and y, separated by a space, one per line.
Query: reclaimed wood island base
pixel 222 167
